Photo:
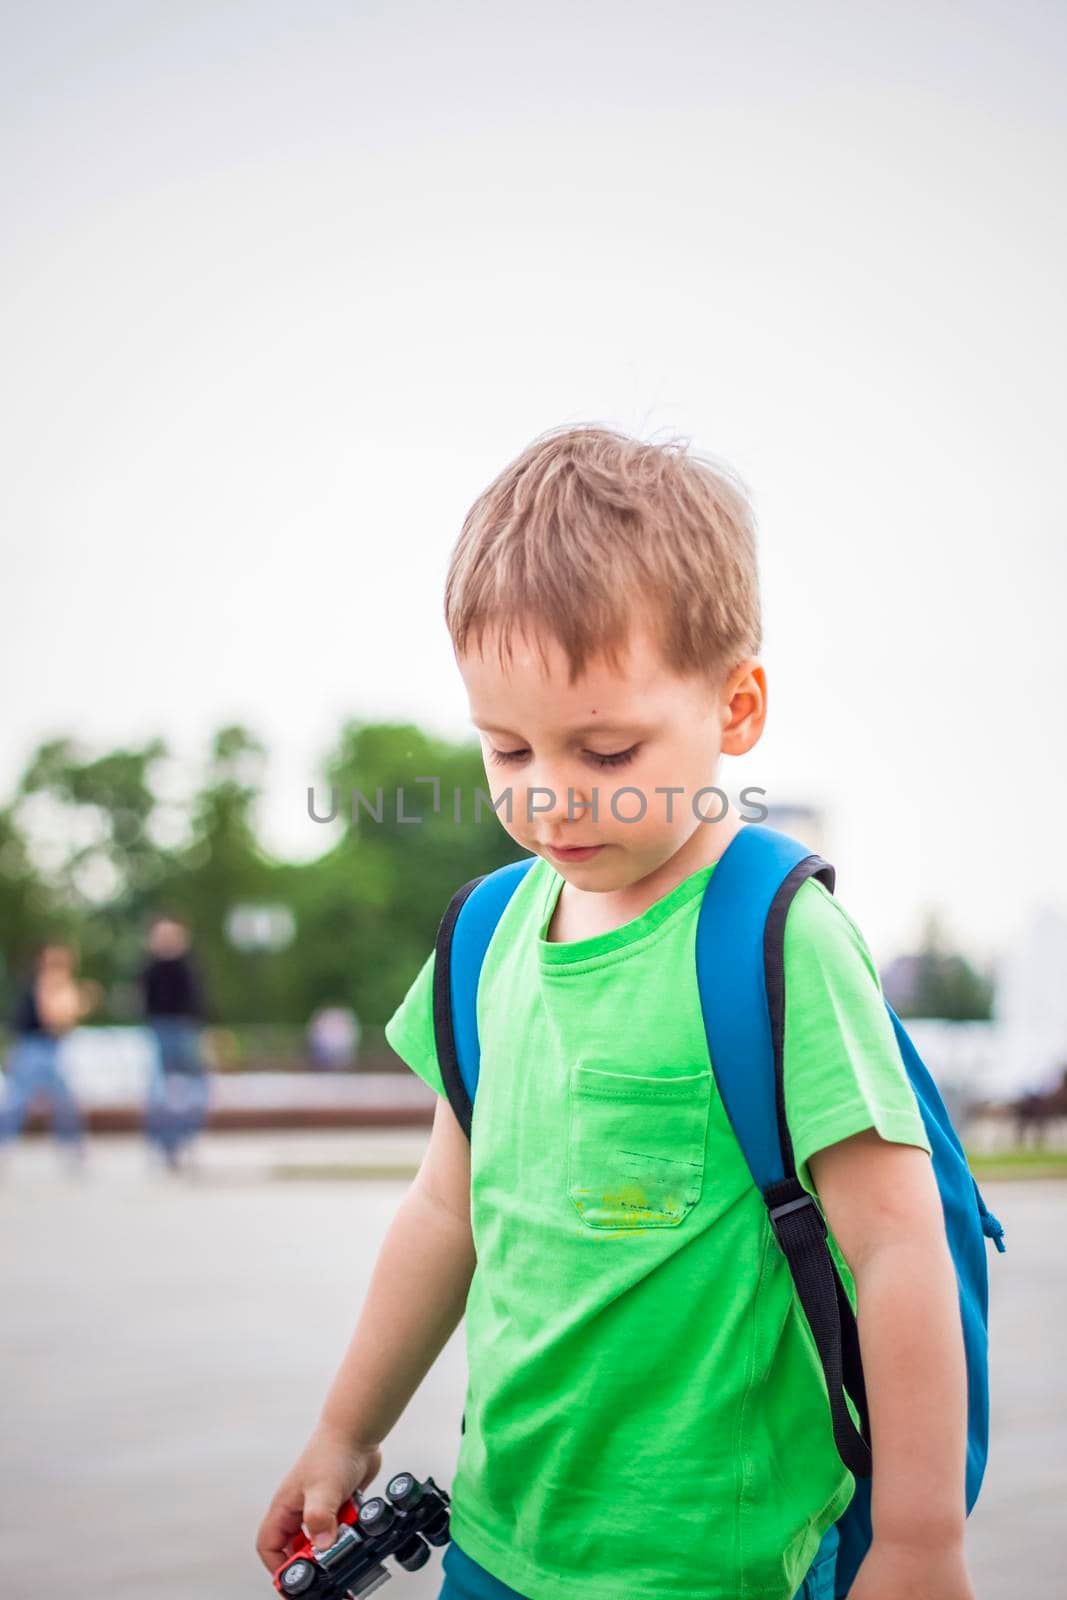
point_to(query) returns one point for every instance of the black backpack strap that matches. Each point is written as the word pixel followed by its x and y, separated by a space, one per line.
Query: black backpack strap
pixel 444 1034
pixel 798 1223
pixel 801 1232
pixel 463 938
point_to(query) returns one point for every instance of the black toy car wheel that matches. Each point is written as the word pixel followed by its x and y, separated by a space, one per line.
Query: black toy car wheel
pixel 414 1555
pixel 298 1578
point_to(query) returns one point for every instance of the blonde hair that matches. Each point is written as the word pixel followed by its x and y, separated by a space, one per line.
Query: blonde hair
pixel 589 530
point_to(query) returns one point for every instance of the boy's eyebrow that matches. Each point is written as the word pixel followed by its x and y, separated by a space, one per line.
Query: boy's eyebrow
pixel 587 727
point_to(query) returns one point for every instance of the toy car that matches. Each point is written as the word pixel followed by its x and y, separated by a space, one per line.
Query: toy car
pixel 410 1518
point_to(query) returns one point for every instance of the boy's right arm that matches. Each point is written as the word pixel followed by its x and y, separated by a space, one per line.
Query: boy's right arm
pixel 416 1298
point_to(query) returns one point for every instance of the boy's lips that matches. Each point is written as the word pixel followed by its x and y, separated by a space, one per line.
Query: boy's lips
pixel 572 852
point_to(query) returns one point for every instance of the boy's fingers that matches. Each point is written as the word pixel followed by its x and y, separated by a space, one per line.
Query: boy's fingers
pixel 320 1513
pixel 277 1531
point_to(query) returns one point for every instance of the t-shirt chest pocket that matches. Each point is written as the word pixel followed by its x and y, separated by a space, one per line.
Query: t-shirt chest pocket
pixel 635 1156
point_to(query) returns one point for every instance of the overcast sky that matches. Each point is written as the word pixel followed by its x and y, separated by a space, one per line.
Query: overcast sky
pixel 285 285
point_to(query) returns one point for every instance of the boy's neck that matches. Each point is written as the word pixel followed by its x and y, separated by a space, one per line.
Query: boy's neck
pixel 585 913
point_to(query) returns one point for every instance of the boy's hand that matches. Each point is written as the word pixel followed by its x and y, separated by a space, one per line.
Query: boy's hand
pixel 912 1572
pixel 329 1469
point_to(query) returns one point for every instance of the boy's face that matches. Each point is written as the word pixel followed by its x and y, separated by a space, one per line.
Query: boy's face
pixel 640 728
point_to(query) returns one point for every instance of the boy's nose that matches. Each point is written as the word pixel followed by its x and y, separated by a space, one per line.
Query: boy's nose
pixel 552 801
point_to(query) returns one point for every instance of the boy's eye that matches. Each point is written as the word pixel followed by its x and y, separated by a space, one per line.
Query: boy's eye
pixel 618 758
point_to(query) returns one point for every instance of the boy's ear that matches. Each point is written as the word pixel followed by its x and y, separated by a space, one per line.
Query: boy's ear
pixel 744 708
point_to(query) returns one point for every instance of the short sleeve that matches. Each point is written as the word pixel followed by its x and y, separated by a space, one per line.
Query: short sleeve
pixel 842 1065
pixel 410 1030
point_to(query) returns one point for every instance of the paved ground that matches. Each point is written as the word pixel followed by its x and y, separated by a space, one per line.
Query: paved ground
pixel 166 1345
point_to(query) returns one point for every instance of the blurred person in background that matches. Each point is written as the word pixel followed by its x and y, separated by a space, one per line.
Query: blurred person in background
pixel 174 1009
pixel 333 1036
pixel 52 1004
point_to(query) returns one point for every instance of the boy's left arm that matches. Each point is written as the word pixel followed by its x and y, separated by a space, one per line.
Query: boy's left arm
pixel 883 1206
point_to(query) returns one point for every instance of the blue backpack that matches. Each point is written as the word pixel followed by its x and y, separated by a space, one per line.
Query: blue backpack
pixel 740 971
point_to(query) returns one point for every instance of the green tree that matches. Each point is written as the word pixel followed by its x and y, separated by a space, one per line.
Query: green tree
pixel 28 911
pixel 103 863
pixel 366 907
pixel 370 905
pixel 946 984
pixel 221 867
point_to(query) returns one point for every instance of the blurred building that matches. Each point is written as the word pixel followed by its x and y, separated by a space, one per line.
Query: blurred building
pixel 1031 1003
pixel 901 978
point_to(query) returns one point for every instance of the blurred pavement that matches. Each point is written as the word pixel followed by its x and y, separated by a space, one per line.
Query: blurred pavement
pixel 167 1343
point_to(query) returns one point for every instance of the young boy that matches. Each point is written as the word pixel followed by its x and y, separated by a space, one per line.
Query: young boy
pixel 646 1417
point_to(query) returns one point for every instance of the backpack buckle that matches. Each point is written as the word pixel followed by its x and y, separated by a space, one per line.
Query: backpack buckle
pixel 788 1206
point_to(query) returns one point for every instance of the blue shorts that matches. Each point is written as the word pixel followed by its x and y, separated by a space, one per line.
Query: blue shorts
pixel 466 1580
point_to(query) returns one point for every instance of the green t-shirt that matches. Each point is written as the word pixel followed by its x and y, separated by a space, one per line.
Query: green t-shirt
pixel 646 1415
